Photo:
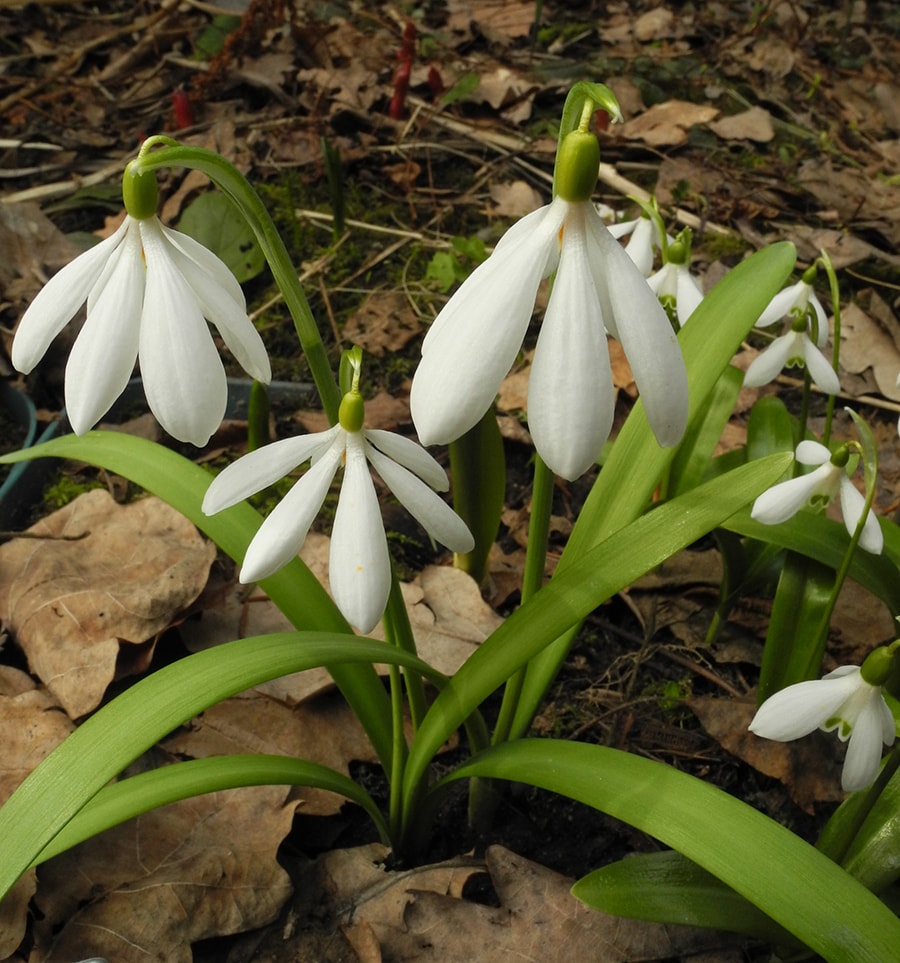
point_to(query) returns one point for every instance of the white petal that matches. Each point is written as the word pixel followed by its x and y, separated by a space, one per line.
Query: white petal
pixel 689 295
pixel 359 567
pixel 784 500
pixel 822 320
pixel 283 532
pixel 852 503
pixel 766 366
pixel 622 229
pixel 56 303
pixel 425 505
pixel 800 709
pixel 811 452
pixel 103 357
pixel 220 304
pixel 476 337
pixel 183 375
pixel 645 332
pixel 571 398
pixel 664 283
pixel 640 245
pixel 863 757
pixel 257 469
pixel 409 454
pixel 819 369
pixel 781 304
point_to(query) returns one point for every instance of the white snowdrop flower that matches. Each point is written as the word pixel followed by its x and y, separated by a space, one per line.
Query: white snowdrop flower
pixel 796 348
pixel 643 241
pixel 843 700
pixel 149 291
pixel 598 288
pixel 674 284
pixel 830 478
pixel 359 568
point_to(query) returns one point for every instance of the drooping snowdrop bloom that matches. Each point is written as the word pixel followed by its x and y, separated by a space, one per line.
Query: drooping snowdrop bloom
pixel 150 291
pixel 674 285
pixel 818 487
pixel 476 337
pixel 359 568
pixel 850 700
pixel 797 348
pixel 643 241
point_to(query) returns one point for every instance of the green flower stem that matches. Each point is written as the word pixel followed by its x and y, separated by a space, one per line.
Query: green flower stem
pixel 400 753
pixel 398 632
pixel 532 579
pixel 235 186
pixel 836 350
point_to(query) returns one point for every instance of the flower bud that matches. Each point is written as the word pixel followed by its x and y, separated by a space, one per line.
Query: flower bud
pixel 352 411
pixel 841 456
pixel 140 193
pixel 577 166
pixel 878 665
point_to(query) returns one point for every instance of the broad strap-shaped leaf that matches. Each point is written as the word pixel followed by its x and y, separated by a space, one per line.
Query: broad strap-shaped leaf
pixel 775 870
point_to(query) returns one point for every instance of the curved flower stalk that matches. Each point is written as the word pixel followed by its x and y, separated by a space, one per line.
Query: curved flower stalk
pixel 799 347
pixel 359 563
pixel 149 292
pixel 674 285
pixel 818 487
pixel 476 337
pixel 850 700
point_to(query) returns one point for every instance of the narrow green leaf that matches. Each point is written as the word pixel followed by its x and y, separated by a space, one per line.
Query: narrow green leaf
pixel 795 640
pixel 183 780
pixel 570 596
pixel 215 222
pixel 769 428
pixel 789 880
pixel 666 887
pixel 294 589
pixel 118 733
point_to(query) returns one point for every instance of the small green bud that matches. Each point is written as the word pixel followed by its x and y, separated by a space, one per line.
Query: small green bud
pixel 352 411
pixel 810 274
pixel 577 166
pixel 140 193
pixel 799 324
pixel 878 665
pixel 841 456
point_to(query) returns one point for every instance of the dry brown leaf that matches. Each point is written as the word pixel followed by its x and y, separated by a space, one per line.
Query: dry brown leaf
pixel 145 890
pixel 753 124
pixel 666 125
pixel 808 766
pixel 844 249
pixel 501 20
pixel 419 915
pixel 70 603
pixel 32 726
pixel 865 344
pixel 514 199
pixel 654 24
pixel 384 322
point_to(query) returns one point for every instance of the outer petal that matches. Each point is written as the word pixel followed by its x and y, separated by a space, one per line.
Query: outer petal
pixel 800 709
pixel 427 507
pixel 102 359
pixel 819 369
pixel 571 398
pixel 852 504
pixel 784 500
pixel 644 330
pixel 283 532
pixel 766 366
pixel 864 748
pixel 183 376
pixel 359 567
pixel 781 304
pixel 58 300
pixel 257 469
pixel 822 320
pixel 812 453
pixel 213 286
pixel 640 245
pixel 689 295
pixel 410 455
pixel 474 340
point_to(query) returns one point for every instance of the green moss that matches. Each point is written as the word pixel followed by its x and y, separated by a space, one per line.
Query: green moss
pixel 65 489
